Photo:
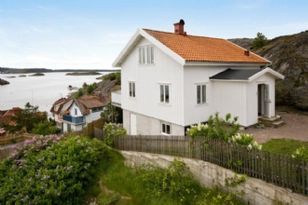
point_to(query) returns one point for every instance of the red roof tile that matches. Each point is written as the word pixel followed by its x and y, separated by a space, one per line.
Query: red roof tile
pixel 205 49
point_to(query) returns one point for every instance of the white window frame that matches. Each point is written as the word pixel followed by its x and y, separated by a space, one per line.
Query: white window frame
pixel 164 128
pixel 146 54
pixel 201 95
pixel 163 98
pixel 132 89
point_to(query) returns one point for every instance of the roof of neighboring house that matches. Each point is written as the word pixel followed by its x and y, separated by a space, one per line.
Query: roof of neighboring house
pixel 205 49
pixel 87 102
pixel 57 106
pixel 6 115
pixel 235 74
pixel 244 74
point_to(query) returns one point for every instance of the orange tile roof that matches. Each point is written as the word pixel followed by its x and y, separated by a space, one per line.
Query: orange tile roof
pixel 205 49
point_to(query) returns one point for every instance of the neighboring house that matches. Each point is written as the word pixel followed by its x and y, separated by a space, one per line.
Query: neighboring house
pixel 74 114
pixel 7 116
pixel 171 80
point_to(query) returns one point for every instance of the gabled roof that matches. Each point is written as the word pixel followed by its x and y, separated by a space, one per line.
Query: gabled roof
pixel 87 102
pixel 205 49
pixel 244 74
pixel 190 48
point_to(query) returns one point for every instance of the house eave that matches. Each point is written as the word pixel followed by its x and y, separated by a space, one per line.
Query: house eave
pixel 217 64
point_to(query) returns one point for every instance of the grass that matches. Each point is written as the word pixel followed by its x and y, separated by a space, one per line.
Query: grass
pixel 283 146
pixel 122 185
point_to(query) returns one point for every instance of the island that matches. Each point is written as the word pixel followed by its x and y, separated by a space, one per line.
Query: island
pixel 6 70
pixel 83 73
pixel 38 74
pixel 4 82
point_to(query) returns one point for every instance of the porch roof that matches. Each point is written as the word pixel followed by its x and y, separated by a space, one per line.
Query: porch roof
pixel 244 75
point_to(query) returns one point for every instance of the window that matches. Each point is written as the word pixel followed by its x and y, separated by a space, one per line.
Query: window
pixel 132 89
pixel 201 94
pixel 165 128
pixel 164 93
pixel 75 111
pixel 146 55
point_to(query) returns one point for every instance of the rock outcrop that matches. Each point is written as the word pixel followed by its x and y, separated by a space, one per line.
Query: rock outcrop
pixel 289 56
pixel 3 82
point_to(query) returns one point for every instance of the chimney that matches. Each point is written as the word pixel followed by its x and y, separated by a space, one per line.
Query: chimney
pixel 179 27
pixel 246 52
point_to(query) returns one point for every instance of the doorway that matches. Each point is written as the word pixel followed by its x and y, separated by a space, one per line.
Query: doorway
pixel 263 100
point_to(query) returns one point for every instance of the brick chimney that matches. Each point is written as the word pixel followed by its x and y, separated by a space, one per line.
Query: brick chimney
pixel 179 27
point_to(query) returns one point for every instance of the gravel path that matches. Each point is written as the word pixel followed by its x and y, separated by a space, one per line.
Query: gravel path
pixel 296 127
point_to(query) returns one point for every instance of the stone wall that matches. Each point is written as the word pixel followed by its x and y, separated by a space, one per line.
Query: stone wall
pixel 252 191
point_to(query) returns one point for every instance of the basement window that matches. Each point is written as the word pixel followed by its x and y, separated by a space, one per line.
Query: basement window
pixel 165 128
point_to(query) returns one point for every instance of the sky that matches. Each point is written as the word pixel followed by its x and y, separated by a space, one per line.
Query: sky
pixel 89 34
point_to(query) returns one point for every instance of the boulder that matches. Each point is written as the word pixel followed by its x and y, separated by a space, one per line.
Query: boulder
pixel 3 82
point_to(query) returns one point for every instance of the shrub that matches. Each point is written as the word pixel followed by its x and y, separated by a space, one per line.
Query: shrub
pixel 57 174
pixel 175 181
pixel 216 128
pixel 112 131
pixel 246 140
pixel 45 128
pixel 301 153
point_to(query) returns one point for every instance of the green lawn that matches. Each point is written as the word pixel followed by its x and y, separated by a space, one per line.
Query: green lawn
pixel 121 185
pixel 283 146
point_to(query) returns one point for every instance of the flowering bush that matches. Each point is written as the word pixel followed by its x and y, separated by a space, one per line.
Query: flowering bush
pixel 216 128
pixel 301 153
pixel 246 140
pixel 50 171
pixel 112 131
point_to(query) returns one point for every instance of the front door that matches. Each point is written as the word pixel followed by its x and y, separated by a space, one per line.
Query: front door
pixel 133 124
pixel 263 100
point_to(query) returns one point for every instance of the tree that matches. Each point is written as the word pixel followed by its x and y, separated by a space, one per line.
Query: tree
pixel 111 114
pixel 28 117
pixel 259 41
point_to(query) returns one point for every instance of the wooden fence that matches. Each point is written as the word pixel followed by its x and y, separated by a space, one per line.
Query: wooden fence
pixel 281 170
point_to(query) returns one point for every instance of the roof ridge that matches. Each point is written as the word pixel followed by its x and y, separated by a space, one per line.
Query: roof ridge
pixel 197 36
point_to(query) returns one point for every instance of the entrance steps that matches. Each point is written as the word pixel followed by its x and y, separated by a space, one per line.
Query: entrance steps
pixel 271 122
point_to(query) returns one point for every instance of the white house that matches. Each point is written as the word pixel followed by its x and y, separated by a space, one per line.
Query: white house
pixel 171 80
pixel 74 114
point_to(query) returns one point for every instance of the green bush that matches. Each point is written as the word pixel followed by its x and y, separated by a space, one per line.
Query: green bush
pixel 175 182
pixel 246 140
pixel 112 131
pixel 216 128
pixel 45 128
pixel 57 174
pixel 301 153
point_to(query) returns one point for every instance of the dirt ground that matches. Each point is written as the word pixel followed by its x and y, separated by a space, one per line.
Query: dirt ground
pixel 296 127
